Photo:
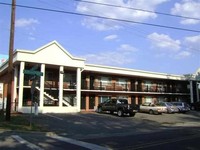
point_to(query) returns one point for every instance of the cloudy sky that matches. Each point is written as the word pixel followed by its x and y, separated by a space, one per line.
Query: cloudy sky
pixel 152 35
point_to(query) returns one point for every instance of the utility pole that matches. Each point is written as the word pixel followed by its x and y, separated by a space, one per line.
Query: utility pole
pixel 10 61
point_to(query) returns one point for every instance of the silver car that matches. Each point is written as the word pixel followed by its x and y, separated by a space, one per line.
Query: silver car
pixel 153 108
pixel 170 107
pixel 182 106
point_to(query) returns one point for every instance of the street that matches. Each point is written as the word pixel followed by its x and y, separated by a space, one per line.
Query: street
pixel 105 131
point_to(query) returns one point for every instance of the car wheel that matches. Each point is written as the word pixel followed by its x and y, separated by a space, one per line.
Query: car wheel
pixel 99 110
pixel 132 114
pixel 120 113
pixel 151 112
pixel 169 111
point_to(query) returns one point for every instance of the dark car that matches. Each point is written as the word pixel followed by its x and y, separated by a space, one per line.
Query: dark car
pixel 120 106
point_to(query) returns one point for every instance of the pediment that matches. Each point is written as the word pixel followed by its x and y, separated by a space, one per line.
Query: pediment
pixel 51 53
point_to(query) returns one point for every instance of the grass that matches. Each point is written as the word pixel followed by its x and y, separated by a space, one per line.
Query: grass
pixel 18 122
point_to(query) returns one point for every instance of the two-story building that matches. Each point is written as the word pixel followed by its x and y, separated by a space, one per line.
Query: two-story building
pixel 57 82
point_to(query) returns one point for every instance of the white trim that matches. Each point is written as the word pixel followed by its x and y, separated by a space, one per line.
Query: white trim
pixel 42 78
pixel 131 72
pixel 21 86
pixel 61 70
pixel 15 87
pixel 78 89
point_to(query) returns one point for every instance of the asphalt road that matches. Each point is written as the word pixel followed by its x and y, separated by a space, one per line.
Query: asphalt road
pixel 105 131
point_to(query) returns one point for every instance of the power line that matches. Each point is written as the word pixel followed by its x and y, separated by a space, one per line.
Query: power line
pixel 138 9
pixel 159 40
pixel 107 18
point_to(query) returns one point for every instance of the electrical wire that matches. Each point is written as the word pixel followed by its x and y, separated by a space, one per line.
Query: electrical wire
pixel 102 17
pixel 137 9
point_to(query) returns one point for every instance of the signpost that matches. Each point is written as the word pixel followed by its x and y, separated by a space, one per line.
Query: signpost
pixel 33 74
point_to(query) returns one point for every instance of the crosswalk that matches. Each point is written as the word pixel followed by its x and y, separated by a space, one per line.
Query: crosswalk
pixel 80 144
pixel 25 142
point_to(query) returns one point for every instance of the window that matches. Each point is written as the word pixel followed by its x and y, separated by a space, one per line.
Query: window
pixel 103 98
pixel 148 99
pixel 105 80
pixel 70 79
pixel 122 81
pixel 49 76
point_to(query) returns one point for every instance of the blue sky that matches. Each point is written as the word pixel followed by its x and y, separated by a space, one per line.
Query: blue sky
pixel 108 42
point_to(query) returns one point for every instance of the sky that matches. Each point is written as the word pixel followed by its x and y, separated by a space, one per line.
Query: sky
pixel 151 35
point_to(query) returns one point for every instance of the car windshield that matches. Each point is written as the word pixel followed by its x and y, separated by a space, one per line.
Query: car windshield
pixel 169 104
pixel 122 101
pixel 178 104
pixel 160 104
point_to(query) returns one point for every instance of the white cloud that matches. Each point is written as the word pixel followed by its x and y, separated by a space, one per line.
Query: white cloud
pixel 117 12
pixel 123 55
pixel 182 55
pixel 189 8
pixel 164 42
pixel 25 22
pixel 167 47
pixel 192 42
pixel 127 48
pixel 99 24
pixel 111 37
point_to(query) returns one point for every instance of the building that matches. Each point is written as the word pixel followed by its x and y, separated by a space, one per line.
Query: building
pixel 57 82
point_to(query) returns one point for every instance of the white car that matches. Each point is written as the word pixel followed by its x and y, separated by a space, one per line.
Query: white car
pixel 153 108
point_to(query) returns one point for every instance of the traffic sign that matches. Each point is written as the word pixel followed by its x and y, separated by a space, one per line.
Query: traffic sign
pixel 31 72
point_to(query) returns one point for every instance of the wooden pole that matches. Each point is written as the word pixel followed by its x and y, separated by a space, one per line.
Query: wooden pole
pixel 10 63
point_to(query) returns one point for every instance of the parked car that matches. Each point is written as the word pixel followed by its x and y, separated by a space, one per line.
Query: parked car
pixel 170 107
pixel 120 106
pixel 183 107
pixel 153 108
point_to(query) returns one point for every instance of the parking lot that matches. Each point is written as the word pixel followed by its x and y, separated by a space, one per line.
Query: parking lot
pixel 91 124
pixel 87 130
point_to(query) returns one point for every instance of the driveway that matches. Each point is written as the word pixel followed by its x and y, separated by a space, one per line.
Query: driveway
pixel 90 124
pixel 90 130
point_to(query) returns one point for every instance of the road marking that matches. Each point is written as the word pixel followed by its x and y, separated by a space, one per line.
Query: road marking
pixel 22 141
pixel 79 143
pixel 53 116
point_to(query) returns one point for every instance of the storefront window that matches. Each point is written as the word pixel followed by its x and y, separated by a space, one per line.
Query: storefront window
pixel 103 98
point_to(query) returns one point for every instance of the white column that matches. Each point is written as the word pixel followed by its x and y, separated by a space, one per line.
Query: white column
pixel 21 85
pixel 78 89
pixel 15 88
pixel 61 74
pixel 42 69
pixel 191 92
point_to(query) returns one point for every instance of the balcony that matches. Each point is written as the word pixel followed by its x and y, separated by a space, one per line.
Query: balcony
pixel 154 88
pixel 106 86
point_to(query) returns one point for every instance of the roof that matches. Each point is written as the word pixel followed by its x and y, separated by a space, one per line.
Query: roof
pixel 54 54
